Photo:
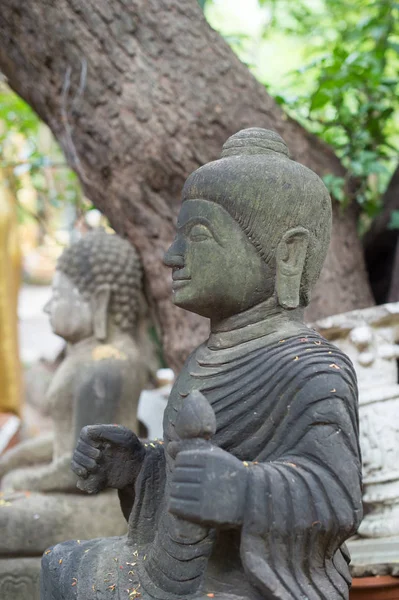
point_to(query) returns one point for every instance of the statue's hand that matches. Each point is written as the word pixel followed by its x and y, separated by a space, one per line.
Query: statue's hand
pixel 4 465
pixel 107 456
pixel 208 487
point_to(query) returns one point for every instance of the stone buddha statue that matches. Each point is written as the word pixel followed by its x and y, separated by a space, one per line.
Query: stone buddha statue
pixel 257 482
pixel 97 307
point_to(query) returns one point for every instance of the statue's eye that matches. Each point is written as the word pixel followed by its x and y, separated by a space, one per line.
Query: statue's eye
pixel 199 233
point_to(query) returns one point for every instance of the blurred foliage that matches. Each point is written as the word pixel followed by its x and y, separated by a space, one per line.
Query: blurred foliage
pixel 346 92
pixel 31 157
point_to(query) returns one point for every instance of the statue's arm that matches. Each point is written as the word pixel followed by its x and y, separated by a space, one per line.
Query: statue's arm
pixel 312 482
pixel 106 455
pixel 112 456
pixel 54 477
pixel 148 482
pixel 98 395
pixel 34 451
pixel 304 499
pixel 96 401
pixel 313 456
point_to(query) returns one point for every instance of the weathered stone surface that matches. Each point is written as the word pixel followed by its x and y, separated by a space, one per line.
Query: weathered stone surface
pixel 257 482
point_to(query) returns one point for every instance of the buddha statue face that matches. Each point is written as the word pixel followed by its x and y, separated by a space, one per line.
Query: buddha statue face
pixel 217 271
pixel 96 288
pixel 71 316
pixel 254 225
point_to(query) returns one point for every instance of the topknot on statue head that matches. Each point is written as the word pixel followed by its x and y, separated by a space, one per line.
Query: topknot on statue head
pixel 104 259
pixel 253 141
pixel 268 194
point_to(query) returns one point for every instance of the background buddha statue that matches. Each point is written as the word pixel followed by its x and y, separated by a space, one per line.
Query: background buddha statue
pixel 257 483
pixel 97 307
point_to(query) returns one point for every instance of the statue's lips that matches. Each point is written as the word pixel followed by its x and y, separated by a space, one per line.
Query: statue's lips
pixel 180 277
pixel 178 282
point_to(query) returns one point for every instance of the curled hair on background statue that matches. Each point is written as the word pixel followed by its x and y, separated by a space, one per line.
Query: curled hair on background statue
pixel 101 258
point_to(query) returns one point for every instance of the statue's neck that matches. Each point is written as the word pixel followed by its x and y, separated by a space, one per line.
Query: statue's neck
pixel 113 333
pixel 265 320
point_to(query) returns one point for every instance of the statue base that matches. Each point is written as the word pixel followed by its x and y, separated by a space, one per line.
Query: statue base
pixel 377 556
pixel 20 578
pixel 103 568
pixel 31 522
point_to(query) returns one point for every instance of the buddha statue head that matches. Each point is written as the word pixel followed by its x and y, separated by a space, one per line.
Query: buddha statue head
pixel 253 226
pixel 97 284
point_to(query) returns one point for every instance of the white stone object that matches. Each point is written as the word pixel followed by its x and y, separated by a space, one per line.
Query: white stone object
pixel 370 338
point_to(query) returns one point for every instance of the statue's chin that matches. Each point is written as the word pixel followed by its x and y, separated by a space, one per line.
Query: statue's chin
pixel 181 294
pixel 186 300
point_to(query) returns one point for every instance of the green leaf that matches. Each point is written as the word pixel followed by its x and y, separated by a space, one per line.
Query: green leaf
pixel 336 186
pixel 280 99
pixel 319 99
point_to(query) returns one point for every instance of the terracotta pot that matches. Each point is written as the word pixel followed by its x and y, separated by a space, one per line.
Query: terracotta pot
pixel 375 588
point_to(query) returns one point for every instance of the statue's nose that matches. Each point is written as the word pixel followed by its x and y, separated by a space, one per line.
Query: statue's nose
pixel 174 256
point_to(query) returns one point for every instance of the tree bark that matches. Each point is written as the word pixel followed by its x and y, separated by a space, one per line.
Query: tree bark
pixel 139 93
pixel 382 248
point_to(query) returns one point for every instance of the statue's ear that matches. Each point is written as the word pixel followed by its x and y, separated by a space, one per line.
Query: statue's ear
pixel 290 260
pixel 100 302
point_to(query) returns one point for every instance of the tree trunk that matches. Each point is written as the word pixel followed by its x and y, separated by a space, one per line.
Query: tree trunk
pixel 382 248
pixel 139 93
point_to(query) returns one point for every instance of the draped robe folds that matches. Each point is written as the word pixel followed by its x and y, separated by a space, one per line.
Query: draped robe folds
pixel 289 410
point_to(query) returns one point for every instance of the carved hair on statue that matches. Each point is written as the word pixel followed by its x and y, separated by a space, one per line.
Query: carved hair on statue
pixel 267 194
pixel 254 141
pixel 101 258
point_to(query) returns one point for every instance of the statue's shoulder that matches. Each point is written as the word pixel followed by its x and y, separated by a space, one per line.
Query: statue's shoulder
pixel 311 352
pixel 110 353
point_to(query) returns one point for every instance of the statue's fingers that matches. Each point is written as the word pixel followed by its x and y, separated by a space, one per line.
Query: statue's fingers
pixel 184 506
pixel 186 491
pixel 85 461
pixel 191 459
pixel 118 435
pixel 78 469
pixel 114 434
pixel 89 437
pixel 91 485
pixel 87 449
pixel 83 485
pixel 189 475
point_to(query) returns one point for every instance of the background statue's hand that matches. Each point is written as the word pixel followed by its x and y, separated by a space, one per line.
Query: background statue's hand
pixel 4 465
pixel 53 477
pixel 30 452
pixel 15 480
pixel 107 456
pixel 208 487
